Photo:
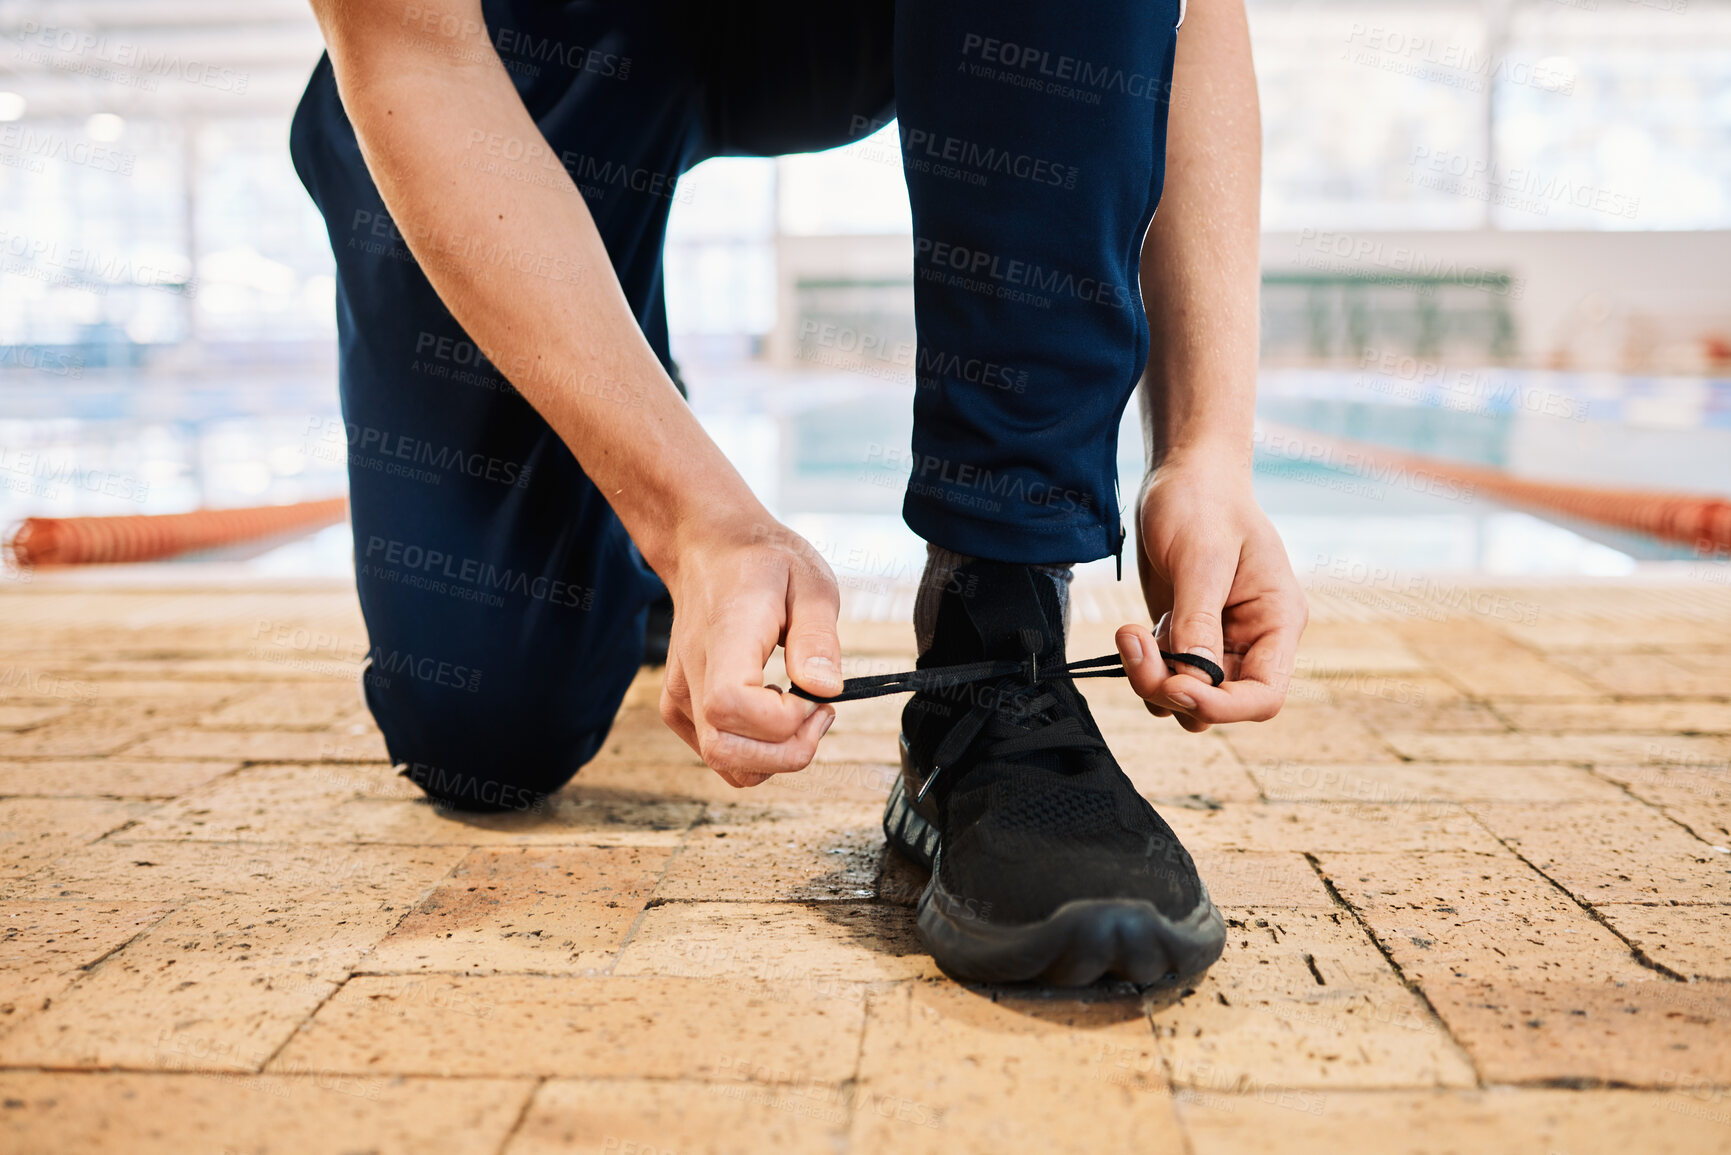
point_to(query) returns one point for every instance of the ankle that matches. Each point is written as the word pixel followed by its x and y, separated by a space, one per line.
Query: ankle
pixel 940 576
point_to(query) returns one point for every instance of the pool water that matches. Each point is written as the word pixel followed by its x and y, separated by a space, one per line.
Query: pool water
pixel 826 451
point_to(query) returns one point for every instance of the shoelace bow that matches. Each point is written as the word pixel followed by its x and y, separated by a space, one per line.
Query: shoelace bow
pixel 1008 733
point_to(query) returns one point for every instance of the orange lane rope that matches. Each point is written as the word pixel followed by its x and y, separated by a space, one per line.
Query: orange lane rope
pixel 1695 519
pixel 1699 520
pixel 145 537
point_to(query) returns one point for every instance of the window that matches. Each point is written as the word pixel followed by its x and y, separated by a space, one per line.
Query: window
pixel 1530 114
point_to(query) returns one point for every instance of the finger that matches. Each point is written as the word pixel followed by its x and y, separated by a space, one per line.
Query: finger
pixel 758 713
pixel 675 709
pixel 1258 690
pixel 1201 583
pixel 813 650
pixel 1273 655
pixel 1258 685
pixel 1148 672
pixel 746 758
pixel 1240 701
pixel 675 703
pixel 1193 699
pixel 1255 695
pixel 734 699
pixel 1140 653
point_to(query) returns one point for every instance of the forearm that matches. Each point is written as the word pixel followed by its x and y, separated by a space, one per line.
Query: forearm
pixel 515 255
pixel 1200 268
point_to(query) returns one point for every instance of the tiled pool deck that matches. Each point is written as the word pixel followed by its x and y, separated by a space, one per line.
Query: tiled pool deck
pixel 1477 875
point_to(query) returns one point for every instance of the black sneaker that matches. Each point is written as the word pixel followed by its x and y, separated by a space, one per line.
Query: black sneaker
pixel 1046 864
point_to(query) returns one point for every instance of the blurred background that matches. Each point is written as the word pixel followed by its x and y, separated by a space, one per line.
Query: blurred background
pixel 1497 232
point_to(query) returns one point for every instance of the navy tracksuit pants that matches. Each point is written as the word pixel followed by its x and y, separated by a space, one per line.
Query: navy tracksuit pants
pixel 504 601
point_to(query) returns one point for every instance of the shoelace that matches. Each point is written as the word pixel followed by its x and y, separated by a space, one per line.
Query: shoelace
pixel 1009 735
pixel 948 677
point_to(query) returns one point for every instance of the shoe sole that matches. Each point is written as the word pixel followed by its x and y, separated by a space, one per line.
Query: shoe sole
pixel 1082 941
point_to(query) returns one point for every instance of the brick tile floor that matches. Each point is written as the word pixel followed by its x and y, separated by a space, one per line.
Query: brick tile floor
pixel 1477 875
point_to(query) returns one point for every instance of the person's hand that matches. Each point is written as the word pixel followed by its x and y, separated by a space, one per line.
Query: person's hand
pixel 1219 585
pixel 736 593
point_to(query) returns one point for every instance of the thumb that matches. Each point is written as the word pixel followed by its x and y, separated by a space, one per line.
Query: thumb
pixel 813 650
pixel 1140 652
pixel 1199 591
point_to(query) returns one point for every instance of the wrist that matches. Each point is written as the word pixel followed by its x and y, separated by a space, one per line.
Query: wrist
pixel 1221 456
pixel 705 524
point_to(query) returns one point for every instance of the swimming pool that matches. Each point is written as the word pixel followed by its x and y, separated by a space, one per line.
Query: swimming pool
pixel 826 450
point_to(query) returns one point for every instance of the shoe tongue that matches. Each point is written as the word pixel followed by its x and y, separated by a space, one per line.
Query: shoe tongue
pixel 1013 609
pixel 991 611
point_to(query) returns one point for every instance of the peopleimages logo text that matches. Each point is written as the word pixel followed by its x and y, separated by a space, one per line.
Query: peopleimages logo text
pixel 978 263
pixel 468 571
pixel 917 143
pixel 1068 69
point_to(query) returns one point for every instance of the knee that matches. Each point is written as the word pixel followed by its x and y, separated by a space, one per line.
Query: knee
pixel 478 789
pixel 487 753
pixel 526 709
